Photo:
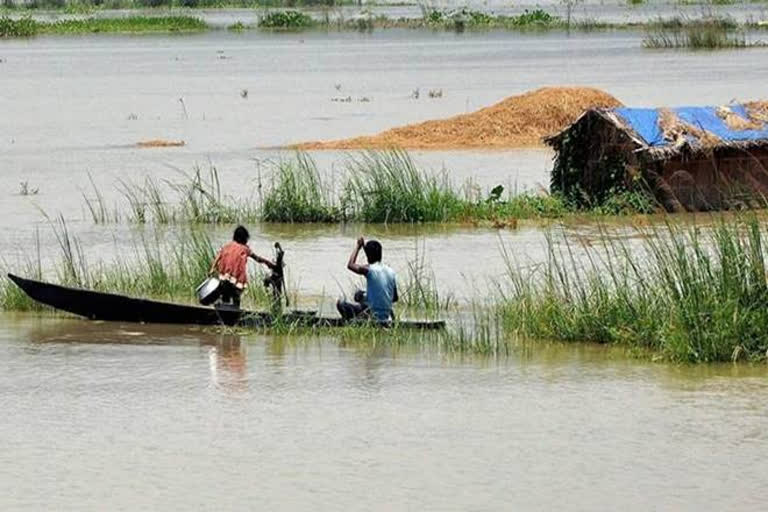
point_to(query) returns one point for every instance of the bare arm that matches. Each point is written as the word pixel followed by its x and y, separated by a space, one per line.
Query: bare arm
pixel 352 263
pixel 263 261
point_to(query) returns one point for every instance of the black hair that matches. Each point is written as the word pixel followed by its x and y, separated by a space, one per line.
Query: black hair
pixel 241 235
pixel 372 250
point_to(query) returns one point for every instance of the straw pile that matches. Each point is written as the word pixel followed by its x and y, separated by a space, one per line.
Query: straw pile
pixel 517 121
pixel 736 122
pixel 677 131
pixel 160 143
pixel 757 111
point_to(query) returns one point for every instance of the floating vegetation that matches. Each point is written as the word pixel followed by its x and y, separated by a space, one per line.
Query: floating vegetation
pixel 286 20
pixel 129 24
pixel 685 295
pixel 237 26
pixel 22 27
pixel 26 27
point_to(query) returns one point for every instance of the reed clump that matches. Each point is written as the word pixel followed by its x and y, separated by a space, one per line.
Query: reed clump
pixel 298 193
pixel 689 295
pixel 159 266
pixel 376 187
pixel 705 34
pixel 388 187
pixel 195 199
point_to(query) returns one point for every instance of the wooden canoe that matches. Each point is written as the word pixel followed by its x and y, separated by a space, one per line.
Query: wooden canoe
pixel 121 308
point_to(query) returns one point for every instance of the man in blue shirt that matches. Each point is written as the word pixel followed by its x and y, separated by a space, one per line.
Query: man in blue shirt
pixel 380 290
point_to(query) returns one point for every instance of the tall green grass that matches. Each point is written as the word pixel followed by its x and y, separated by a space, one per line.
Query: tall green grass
pixel 376 187
pixel 388 187
pixel 298 193
pixel 22 27
pixel 157 267
pixel 26 26
pixel 194 198
pixel 688 295
pixel 130 24
pixel 285 20
pixel 705 34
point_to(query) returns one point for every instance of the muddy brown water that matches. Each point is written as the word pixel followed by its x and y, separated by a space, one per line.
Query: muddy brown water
pixel 129 417
pixel 74 107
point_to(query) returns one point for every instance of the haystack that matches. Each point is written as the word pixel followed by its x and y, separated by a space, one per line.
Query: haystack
pixel 517 121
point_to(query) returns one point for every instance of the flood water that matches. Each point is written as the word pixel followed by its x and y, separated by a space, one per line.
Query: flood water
pixel 74 107
pixel 100 416
pixel 127 417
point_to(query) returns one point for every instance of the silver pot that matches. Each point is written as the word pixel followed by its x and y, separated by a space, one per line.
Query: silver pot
pixel 208 291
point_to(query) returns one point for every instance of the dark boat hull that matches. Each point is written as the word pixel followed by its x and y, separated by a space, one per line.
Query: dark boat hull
pixel 120 308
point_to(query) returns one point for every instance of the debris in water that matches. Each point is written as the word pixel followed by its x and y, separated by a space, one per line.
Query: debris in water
pixel 244 94
pixel 517 121
pixel 161 143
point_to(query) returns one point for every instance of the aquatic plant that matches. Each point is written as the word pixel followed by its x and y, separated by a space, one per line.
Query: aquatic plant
pixel 686 295
pixel 388 187
pixel 195 198
pixel 534 18
pixel 419 291
pixel 237 26
pixel 22 27
pixel 285 20
pixel 161 265
pixel 703 34
pixel 297 193
pixel 384 187
pixel 125 25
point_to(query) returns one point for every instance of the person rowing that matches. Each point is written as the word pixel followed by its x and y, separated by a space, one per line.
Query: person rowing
pixel 381 286
pixel 231 265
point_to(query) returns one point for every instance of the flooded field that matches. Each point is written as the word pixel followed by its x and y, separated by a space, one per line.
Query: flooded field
pixel 132 417
pixel 610 12
pixel 75 107
pixel 125 417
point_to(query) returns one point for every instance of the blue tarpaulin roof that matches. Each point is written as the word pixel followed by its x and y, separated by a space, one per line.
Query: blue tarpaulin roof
pixel 645 122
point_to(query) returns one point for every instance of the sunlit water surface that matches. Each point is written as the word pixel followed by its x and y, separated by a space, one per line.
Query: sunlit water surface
pixel 126 417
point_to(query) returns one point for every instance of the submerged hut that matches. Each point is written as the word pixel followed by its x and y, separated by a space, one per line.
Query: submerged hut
pixel 690 158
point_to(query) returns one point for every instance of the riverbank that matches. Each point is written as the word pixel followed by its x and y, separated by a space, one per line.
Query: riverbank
pixel 702 30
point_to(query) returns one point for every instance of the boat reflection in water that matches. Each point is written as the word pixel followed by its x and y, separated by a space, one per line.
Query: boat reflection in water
pixel 228 363
pixel 226 352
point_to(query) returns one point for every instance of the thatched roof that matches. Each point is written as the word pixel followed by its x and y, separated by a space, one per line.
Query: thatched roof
pixel 663 133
